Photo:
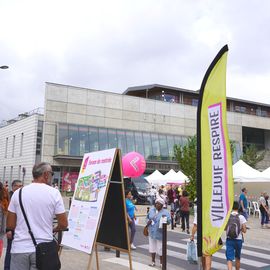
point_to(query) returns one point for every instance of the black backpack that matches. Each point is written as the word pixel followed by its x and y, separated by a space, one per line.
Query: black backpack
pixel 233 228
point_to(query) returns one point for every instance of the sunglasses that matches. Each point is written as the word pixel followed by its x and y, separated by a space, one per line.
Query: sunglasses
pixel 52 173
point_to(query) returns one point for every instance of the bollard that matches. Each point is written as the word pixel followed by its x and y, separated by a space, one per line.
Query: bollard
pixel 70 202
pixel 172 218
pixel 117 253
pixel 164 243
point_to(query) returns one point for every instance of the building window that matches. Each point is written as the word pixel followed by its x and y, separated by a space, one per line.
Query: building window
pixel 73 134
pixel 13 145
pixel 194 102
pixel 11 174
pixel 147 146
pixel 112 138
pixel 103 138
pixel 164 153
pixel 170 141
pixel 84 140
pixel 155 146
pixel 19 172
pixel 122 143
pixel 4 173
pixel 63 144
pixel 6 148
pixel 130 141
pixel 21 146
pixel 139 147
pixel 93 139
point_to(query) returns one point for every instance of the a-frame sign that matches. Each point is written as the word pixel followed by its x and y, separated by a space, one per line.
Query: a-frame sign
pixel 97 214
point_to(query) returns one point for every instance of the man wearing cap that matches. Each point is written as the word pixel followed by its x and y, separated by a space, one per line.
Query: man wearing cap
pixel 154 222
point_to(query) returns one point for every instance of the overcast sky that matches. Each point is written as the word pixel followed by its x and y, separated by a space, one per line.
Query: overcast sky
pixel 114 44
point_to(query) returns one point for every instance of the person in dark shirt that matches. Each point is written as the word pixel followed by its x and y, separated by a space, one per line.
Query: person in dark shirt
pixel 184 207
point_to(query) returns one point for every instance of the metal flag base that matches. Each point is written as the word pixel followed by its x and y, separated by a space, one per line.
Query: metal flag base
pixel 200 263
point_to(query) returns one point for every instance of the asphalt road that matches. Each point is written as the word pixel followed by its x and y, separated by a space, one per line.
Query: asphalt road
pixel 253 258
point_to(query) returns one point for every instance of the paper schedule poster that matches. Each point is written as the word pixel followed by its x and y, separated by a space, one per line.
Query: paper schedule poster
pixel 87 201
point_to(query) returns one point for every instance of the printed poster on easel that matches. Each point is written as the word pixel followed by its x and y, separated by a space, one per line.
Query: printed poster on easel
pixel 87 202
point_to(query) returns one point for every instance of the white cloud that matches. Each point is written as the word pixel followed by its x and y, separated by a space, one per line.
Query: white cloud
pixel 111 45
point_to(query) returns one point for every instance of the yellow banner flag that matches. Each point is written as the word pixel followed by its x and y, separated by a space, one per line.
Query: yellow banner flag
pixel 215 182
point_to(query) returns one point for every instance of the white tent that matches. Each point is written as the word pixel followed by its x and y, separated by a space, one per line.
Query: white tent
pixel 242 172
pixel 182 177
pixel 253 180
pixel 175 178
pixel 156 178
pixel 169 176
pixel 266 173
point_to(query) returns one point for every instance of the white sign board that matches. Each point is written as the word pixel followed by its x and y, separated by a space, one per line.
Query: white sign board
pixel 87 201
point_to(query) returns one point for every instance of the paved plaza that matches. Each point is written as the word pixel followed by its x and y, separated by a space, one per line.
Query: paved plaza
pixel 256 250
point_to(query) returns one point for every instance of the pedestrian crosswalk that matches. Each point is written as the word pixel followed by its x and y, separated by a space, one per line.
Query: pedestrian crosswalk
pixel 251 258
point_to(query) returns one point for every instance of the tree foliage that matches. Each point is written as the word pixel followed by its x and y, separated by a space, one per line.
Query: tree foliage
pixel 252 156
pixel 187 159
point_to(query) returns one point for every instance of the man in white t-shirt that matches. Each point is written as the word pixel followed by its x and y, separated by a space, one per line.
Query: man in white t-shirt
pixel 235 227
pixel 41 203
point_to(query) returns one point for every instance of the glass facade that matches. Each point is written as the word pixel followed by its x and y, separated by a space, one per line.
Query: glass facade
pixel 75 140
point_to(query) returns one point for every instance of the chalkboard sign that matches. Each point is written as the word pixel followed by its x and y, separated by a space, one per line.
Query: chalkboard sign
pixel 113 226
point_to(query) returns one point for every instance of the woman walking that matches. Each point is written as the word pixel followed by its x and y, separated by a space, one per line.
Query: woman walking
pixel 131 217
pixel 155 229
pixel 184 208
pixel 4 200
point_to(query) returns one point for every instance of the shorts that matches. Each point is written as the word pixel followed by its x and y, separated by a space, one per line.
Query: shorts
pixel 155 246
pixel 233 249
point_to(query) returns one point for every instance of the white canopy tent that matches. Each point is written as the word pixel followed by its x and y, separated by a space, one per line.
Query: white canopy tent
pixel 156 178
pixel 253 180
pixel 266 173
pixel 242 172
pixel 178 178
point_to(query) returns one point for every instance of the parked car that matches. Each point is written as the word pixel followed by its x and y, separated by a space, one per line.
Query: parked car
pixel 139 188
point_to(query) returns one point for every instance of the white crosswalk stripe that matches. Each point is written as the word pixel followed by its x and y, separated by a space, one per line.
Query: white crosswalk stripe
pixel 125 262
pixel 222 256
pixel 181 254
pixel 248 252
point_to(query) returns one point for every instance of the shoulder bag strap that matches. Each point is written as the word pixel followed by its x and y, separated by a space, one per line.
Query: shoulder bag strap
pixel 25 218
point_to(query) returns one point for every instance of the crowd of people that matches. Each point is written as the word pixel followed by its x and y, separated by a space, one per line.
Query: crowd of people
pixel 166 202
pixel 175 199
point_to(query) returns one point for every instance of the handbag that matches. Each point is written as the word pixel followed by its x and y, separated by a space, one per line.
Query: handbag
pixel 145 231
pixel 192 252
pixel 46 252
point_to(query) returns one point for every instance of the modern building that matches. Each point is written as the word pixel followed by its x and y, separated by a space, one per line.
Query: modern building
pixel 20 146
pixel 148 119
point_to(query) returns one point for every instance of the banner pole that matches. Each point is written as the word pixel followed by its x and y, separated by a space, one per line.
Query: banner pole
pixel 164 243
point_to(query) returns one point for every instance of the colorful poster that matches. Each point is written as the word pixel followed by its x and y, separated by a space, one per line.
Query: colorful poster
pixel 69 181
pixel 87 201
pixel 215 182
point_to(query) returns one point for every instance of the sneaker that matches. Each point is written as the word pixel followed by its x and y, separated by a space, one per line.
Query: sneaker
pixel 132 246
pixel 187 231
pixel 152 264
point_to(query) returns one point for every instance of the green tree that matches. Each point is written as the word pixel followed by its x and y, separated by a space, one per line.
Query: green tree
pixel 252 156
pixel 187 158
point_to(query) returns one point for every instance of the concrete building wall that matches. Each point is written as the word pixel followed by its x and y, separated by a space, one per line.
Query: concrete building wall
pixel 73 105
pixel 17 153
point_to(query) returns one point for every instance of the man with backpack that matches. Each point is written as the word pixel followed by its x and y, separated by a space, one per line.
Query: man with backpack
pixel 234 229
